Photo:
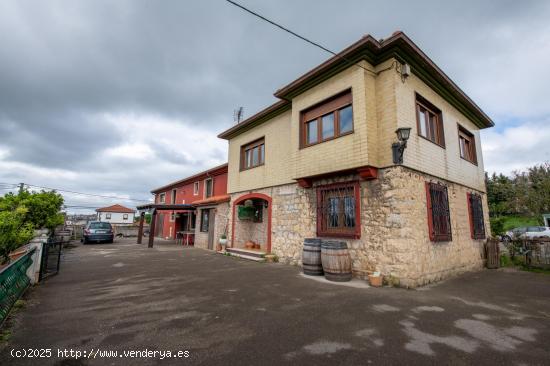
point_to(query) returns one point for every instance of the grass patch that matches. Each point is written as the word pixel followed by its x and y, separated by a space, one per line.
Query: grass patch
pixel 519 263
pixel 511 222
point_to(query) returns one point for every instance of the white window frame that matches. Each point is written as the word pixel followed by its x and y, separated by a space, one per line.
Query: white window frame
pixel 162 198
pixel 196 188
pixel 107 216
pixel 124 216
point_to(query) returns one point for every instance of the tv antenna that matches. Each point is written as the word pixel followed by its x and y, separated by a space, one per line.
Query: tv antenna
pixel 238 115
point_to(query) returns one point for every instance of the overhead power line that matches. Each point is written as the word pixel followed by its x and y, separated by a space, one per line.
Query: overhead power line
pixel 74 192
pixel 299 36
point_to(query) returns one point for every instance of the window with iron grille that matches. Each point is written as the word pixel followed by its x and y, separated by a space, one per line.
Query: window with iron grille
pixel 439 217
pixel 477 223
pixel 338 210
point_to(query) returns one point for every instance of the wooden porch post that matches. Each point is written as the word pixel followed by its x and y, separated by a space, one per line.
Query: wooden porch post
pixel 140 230
pixel 152 228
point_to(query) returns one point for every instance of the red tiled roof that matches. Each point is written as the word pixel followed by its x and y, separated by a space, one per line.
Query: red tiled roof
pixel 218 169
pixel 212 200
pixel 115 208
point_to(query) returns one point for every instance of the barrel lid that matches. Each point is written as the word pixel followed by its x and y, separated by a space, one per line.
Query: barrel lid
pixel 334 244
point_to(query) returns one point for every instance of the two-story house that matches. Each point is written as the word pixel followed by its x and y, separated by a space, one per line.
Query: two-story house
pixel 207 192
pixel 320 163
pixel 116 214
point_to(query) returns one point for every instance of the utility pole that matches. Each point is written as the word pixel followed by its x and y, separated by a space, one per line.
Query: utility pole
pixel 21 187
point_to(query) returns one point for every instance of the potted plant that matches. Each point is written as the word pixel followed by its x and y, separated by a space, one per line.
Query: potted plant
pixel 223 241
pixel 375 279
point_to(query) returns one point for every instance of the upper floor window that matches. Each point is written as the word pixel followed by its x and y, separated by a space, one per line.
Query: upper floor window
pixel 208 187
pixel 429 121
pixel 338 210
pixel 439 215
pixel 125 217
pixel 467 145
pixel 108 216
pixel 174 192
pixel 477 223
pixel 162 198
pixel 196 188
pixel 253 154
pixel 327 120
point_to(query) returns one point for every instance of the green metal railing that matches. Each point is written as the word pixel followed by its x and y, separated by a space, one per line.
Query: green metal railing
pixel 13 282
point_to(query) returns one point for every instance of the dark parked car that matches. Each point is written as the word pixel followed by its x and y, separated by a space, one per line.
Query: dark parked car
pixel 97 231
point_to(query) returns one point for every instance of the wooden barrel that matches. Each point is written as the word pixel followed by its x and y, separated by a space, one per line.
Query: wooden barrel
pixel 336 260
pixel 311 257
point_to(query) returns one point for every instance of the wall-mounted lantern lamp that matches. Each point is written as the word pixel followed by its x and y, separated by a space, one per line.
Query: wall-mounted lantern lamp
pixel 398 148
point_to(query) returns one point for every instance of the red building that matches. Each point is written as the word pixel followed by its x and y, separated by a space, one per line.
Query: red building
pixel 200 190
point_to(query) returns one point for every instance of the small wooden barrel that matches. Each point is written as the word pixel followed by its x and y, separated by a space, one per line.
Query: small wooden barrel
pixel 336 260
pixel 311 257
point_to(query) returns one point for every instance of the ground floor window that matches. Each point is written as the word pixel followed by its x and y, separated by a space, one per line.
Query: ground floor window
pixel 477 223
pixel 338 210
pixel 205 220
pixel 439 217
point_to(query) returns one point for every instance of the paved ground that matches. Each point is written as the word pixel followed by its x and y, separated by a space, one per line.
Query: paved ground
pixel 227 311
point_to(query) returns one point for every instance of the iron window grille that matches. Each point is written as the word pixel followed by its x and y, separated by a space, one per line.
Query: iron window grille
pixel 338 210
pixel 477 222
pixel 439 217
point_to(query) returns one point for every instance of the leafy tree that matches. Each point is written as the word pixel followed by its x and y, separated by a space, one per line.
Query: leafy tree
pixel 524 193
pixel 21 213
pixel 14 231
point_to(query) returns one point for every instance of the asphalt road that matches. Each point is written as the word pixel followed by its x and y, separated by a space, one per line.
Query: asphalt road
pixel 226 311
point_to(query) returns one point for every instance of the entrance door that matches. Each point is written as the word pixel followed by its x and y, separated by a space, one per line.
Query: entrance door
pixel 211 224
pixel 160 225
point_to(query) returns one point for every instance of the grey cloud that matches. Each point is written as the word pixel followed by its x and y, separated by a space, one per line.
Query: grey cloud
pixel 65 64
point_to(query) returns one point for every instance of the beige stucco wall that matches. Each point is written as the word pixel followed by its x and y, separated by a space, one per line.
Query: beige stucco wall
pixel 345 152
pixel 381 104
pixel 276 170
pixel 426 156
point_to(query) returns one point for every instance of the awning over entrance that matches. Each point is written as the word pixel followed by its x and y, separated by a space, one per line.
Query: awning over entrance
pixel 153 208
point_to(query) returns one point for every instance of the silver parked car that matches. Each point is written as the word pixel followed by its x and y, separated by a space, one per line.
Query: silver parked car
pixel 527 232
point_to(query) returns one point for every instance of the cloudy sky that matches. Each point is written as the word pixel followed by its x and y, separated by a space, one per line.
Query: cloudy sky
pixel 118 97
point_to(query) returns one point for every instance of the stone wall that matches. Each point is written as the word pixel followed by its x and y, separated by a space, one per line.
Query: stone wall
pixel 394 229
pixel 220 225
pixel 247 230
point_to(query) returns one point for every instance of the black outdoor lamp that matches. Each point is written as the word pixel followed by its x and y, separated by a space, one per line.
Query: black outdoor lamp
pixel 398 148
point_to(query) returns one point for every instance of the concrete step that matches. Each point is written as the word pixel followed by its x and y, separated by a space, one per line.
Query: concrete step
pixel 247 252
pixel 247 257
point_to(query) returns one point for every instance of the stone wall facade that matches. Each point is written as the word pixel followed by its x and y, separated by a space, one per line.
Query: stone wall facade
pixel 394 228
pixel 220 225
pixel 254 231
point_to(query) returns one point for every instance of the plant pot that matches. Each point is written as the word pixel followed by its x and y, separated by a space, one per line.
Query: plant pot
pixel 249 245
pixel 376 281
pixel 223 241
pixel 257 246
pixel 219 247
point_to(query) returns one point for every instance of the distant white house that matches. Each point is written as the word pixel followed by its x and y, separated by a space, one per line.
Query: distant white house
pixel 116 214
